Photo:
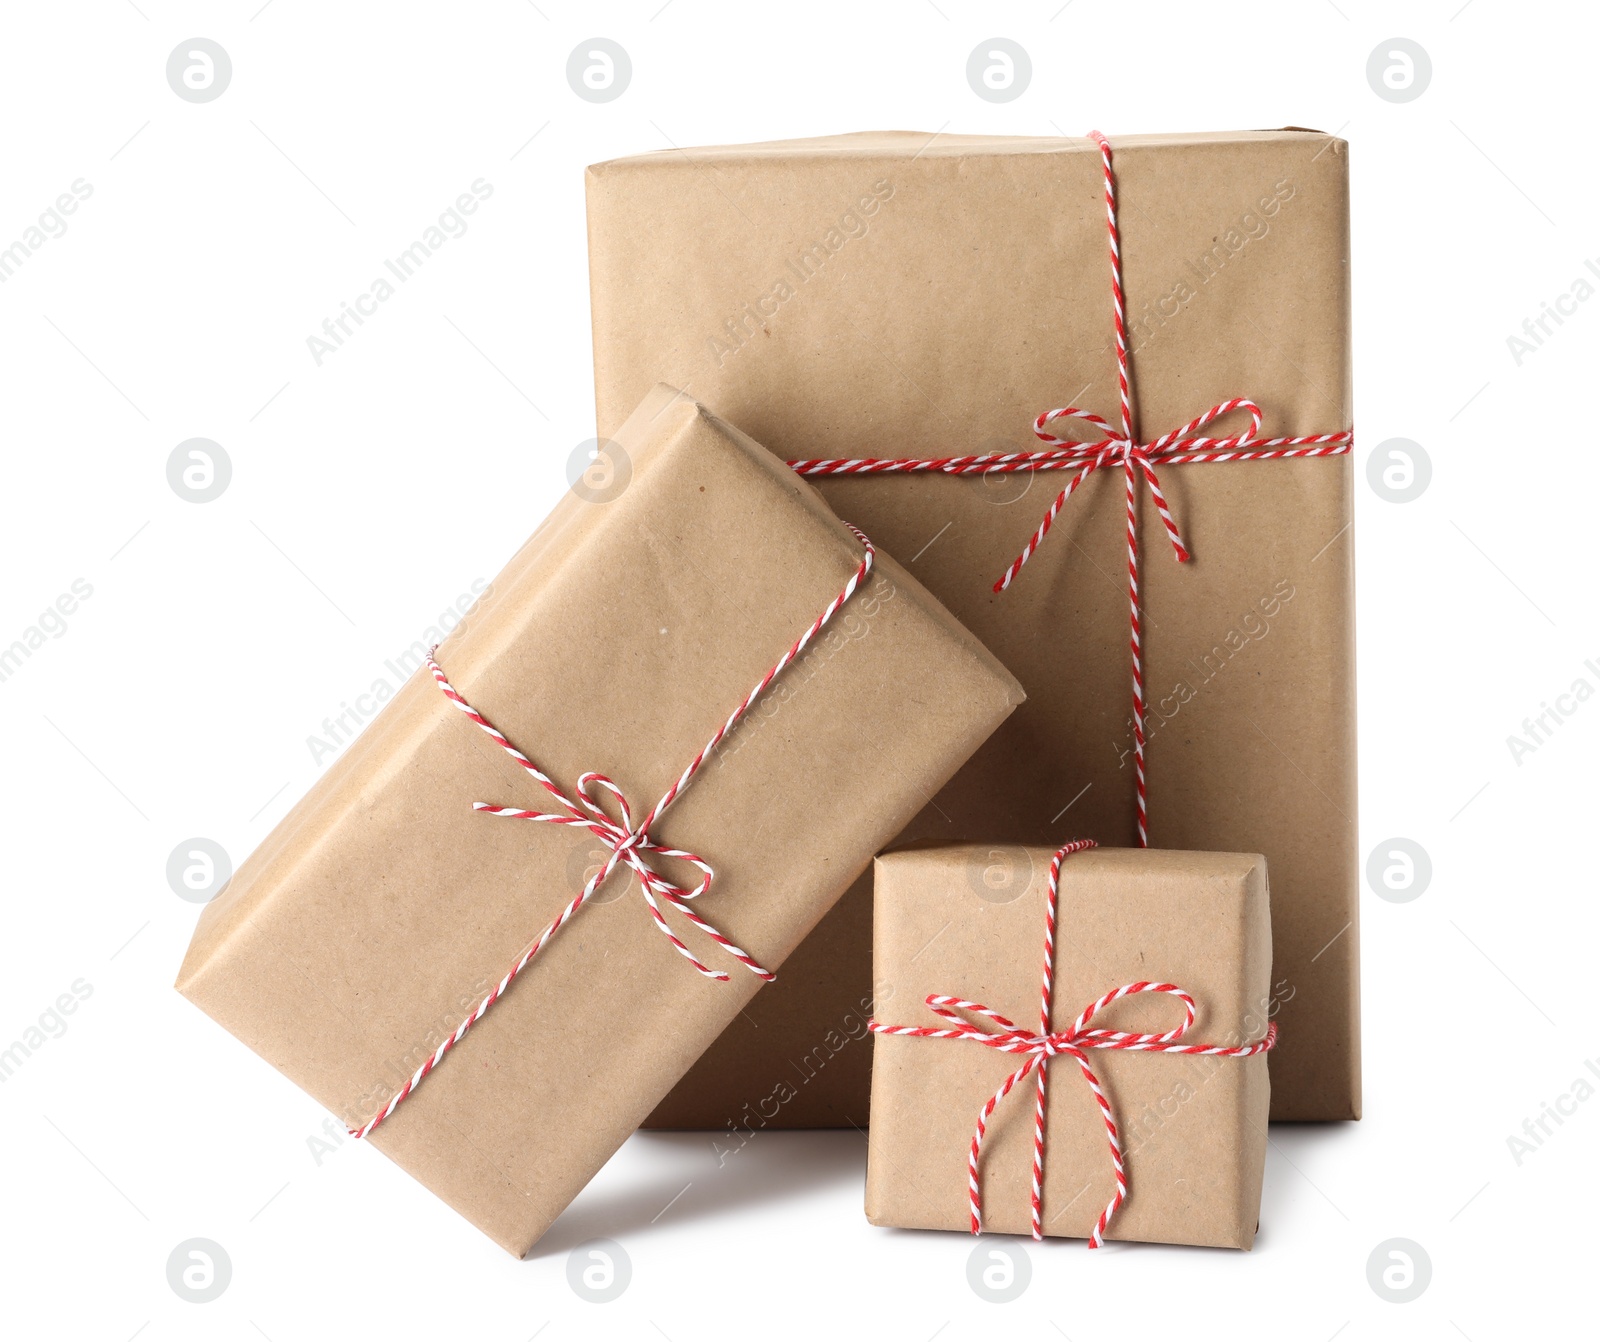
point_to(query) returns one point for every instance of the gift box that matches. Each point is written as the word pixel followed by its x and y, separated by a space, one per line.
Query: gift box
pixel 925 299
pixel 1132 1094
pixel 364 948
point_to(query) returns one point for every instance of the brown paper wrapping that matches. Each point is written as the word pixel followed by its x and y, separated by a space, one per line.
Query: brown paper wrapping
pixel 968 921
pixel 898 294
pixel 618 639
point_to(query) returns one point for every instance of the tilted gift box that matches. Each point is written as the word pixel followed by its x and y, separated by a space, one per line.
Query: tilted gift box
pixel 903 295
pixel 384 908
pixel 1147 929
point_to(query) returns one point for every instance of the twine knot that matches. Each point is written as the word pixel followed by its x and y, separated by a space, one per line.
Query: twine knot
pixel 627 843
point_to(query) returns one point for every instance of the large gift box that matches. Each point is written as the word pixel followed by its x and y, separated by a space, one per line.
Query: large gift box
pixel 364 948
pixel 1132 1093
pixel 928 297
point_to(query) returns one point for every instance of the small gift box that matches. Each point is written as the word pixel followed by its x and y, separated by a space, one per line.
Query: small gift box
pixel 1124 1095
pixel 715 701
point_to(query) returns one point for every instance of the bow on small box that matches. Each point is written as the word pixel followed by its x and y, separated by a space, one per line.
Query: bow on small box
pixel 1075 1042
pixel 629 845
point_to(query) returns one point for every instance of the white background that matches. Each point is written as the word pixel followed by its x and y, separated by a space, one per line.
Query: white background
pixel 368 492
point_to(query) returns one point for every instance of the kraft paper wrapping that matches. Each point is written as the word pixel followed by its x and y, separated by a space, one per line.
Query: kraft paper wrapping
pixel 968 921
pixel 622 634
pixel 904 294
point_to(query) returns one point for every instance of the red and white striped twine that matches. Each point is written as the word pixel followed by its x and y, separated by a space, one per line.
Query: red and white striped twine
pixel 1114 447
pixel 628 843
pixel 1075 1042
